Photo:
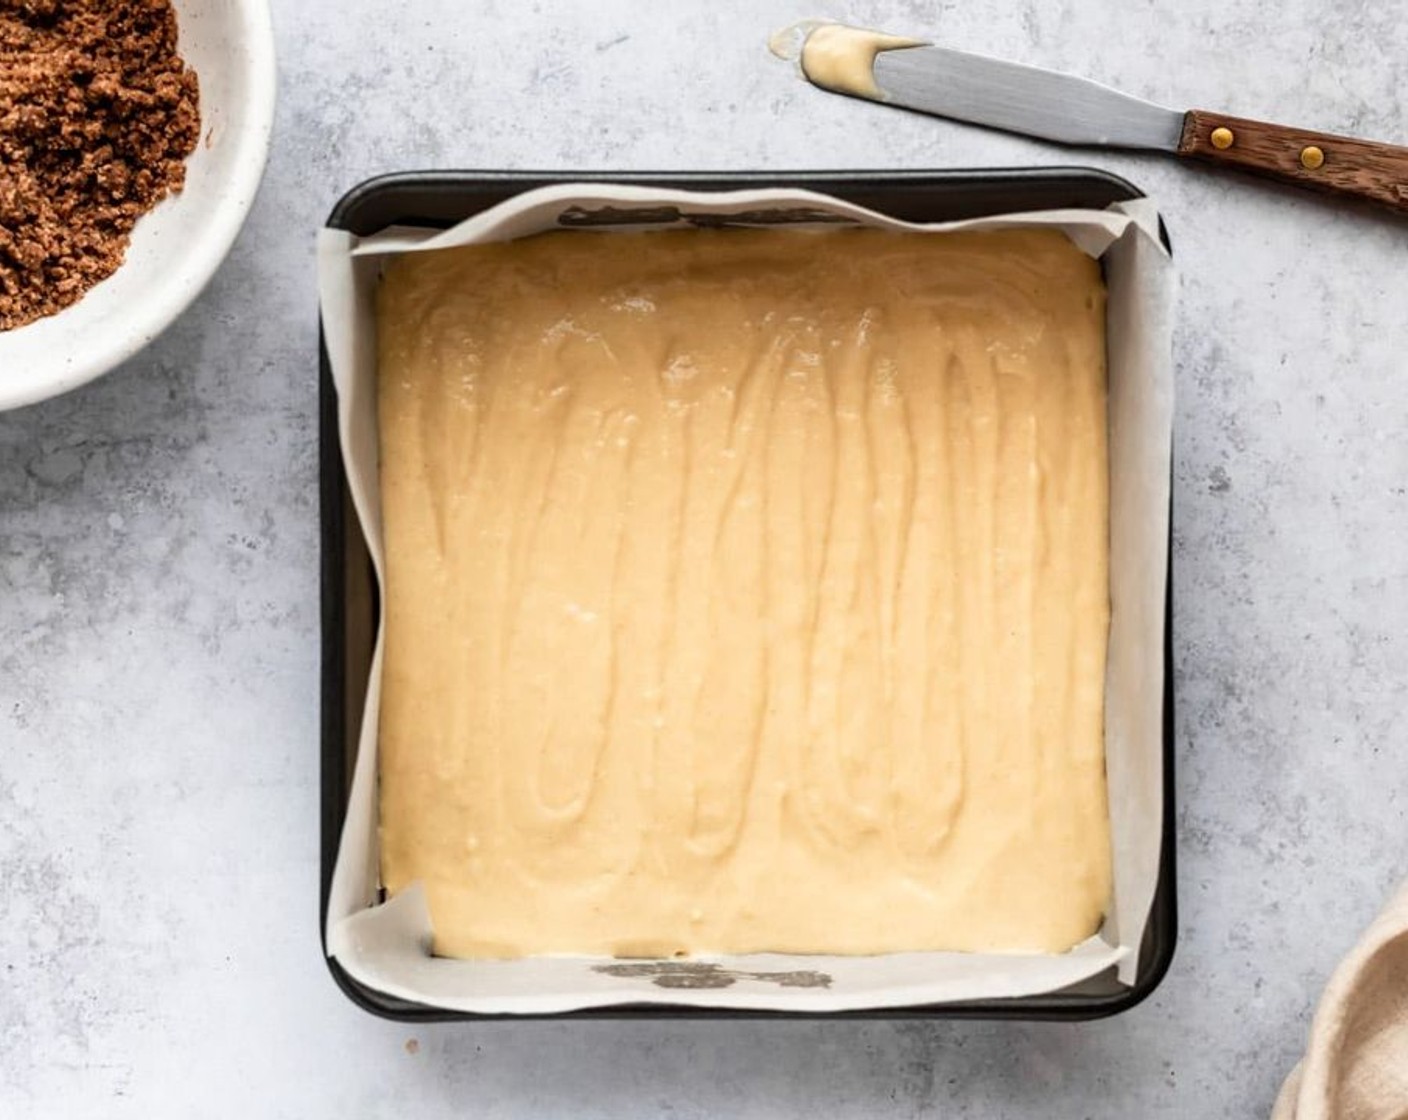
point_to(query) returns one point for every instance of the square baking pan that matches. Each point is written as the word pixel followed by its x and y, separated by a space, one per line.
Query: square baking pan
pixel 348 583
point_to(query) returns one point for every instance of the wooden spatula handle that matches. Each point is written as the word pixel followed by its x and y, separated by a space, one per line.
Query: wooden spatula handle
pixel 1318 160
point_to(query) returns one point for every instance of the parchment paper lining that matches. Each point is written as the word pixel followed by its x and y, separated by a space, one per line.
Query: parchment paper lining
pixel 386 946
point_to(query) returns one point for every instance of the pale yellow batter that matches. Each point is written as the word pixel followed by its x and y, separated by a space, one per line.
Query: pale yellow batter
pixel 841 58
pixel 746 591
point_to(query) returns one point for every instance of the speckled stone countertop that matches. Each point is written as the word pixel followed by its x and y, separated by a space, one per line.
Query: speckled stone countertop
pixel 159 603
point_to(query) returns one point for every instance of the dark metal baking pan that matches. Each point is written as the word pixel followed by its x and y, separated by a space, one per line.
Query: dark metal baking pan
pixel 349 594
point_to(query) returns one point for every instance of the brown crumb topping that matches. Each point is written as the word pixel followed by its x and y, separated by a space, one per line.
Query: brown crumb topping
pixel 97 116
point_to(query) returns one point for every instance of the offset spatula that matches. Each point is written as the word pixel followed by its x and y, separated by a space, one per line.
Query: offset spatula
pixel 1071 110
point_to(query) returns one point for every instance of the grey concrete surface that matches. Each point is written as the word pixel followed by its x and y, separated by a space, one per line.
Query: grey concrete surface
pixel 158 595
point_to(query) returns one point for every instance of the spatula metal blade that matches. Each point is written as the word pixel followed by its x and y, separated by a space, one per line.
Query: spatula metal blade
pixel 1025 99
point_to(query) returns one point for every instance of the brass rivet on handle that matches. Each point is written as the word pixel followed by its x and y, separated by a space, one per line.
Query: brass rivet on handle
pixel 1311 158
pixel 1222 138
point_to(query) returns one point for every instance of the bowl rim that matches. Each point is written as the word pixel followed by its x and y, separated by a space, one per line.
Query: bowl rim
pixel 204 254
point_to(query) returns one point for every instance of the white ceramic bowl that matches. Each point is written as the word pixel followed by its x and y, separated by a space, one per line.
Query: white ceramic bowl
pixel 178 246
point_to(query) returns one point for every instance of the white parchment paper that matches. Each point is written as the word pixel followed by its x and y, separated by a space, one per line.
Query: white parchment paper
pixel 386 944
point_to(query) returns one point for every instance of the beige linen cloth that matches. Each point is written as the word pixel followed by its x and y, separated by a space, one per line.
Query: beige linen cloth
pixel 1356 1066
